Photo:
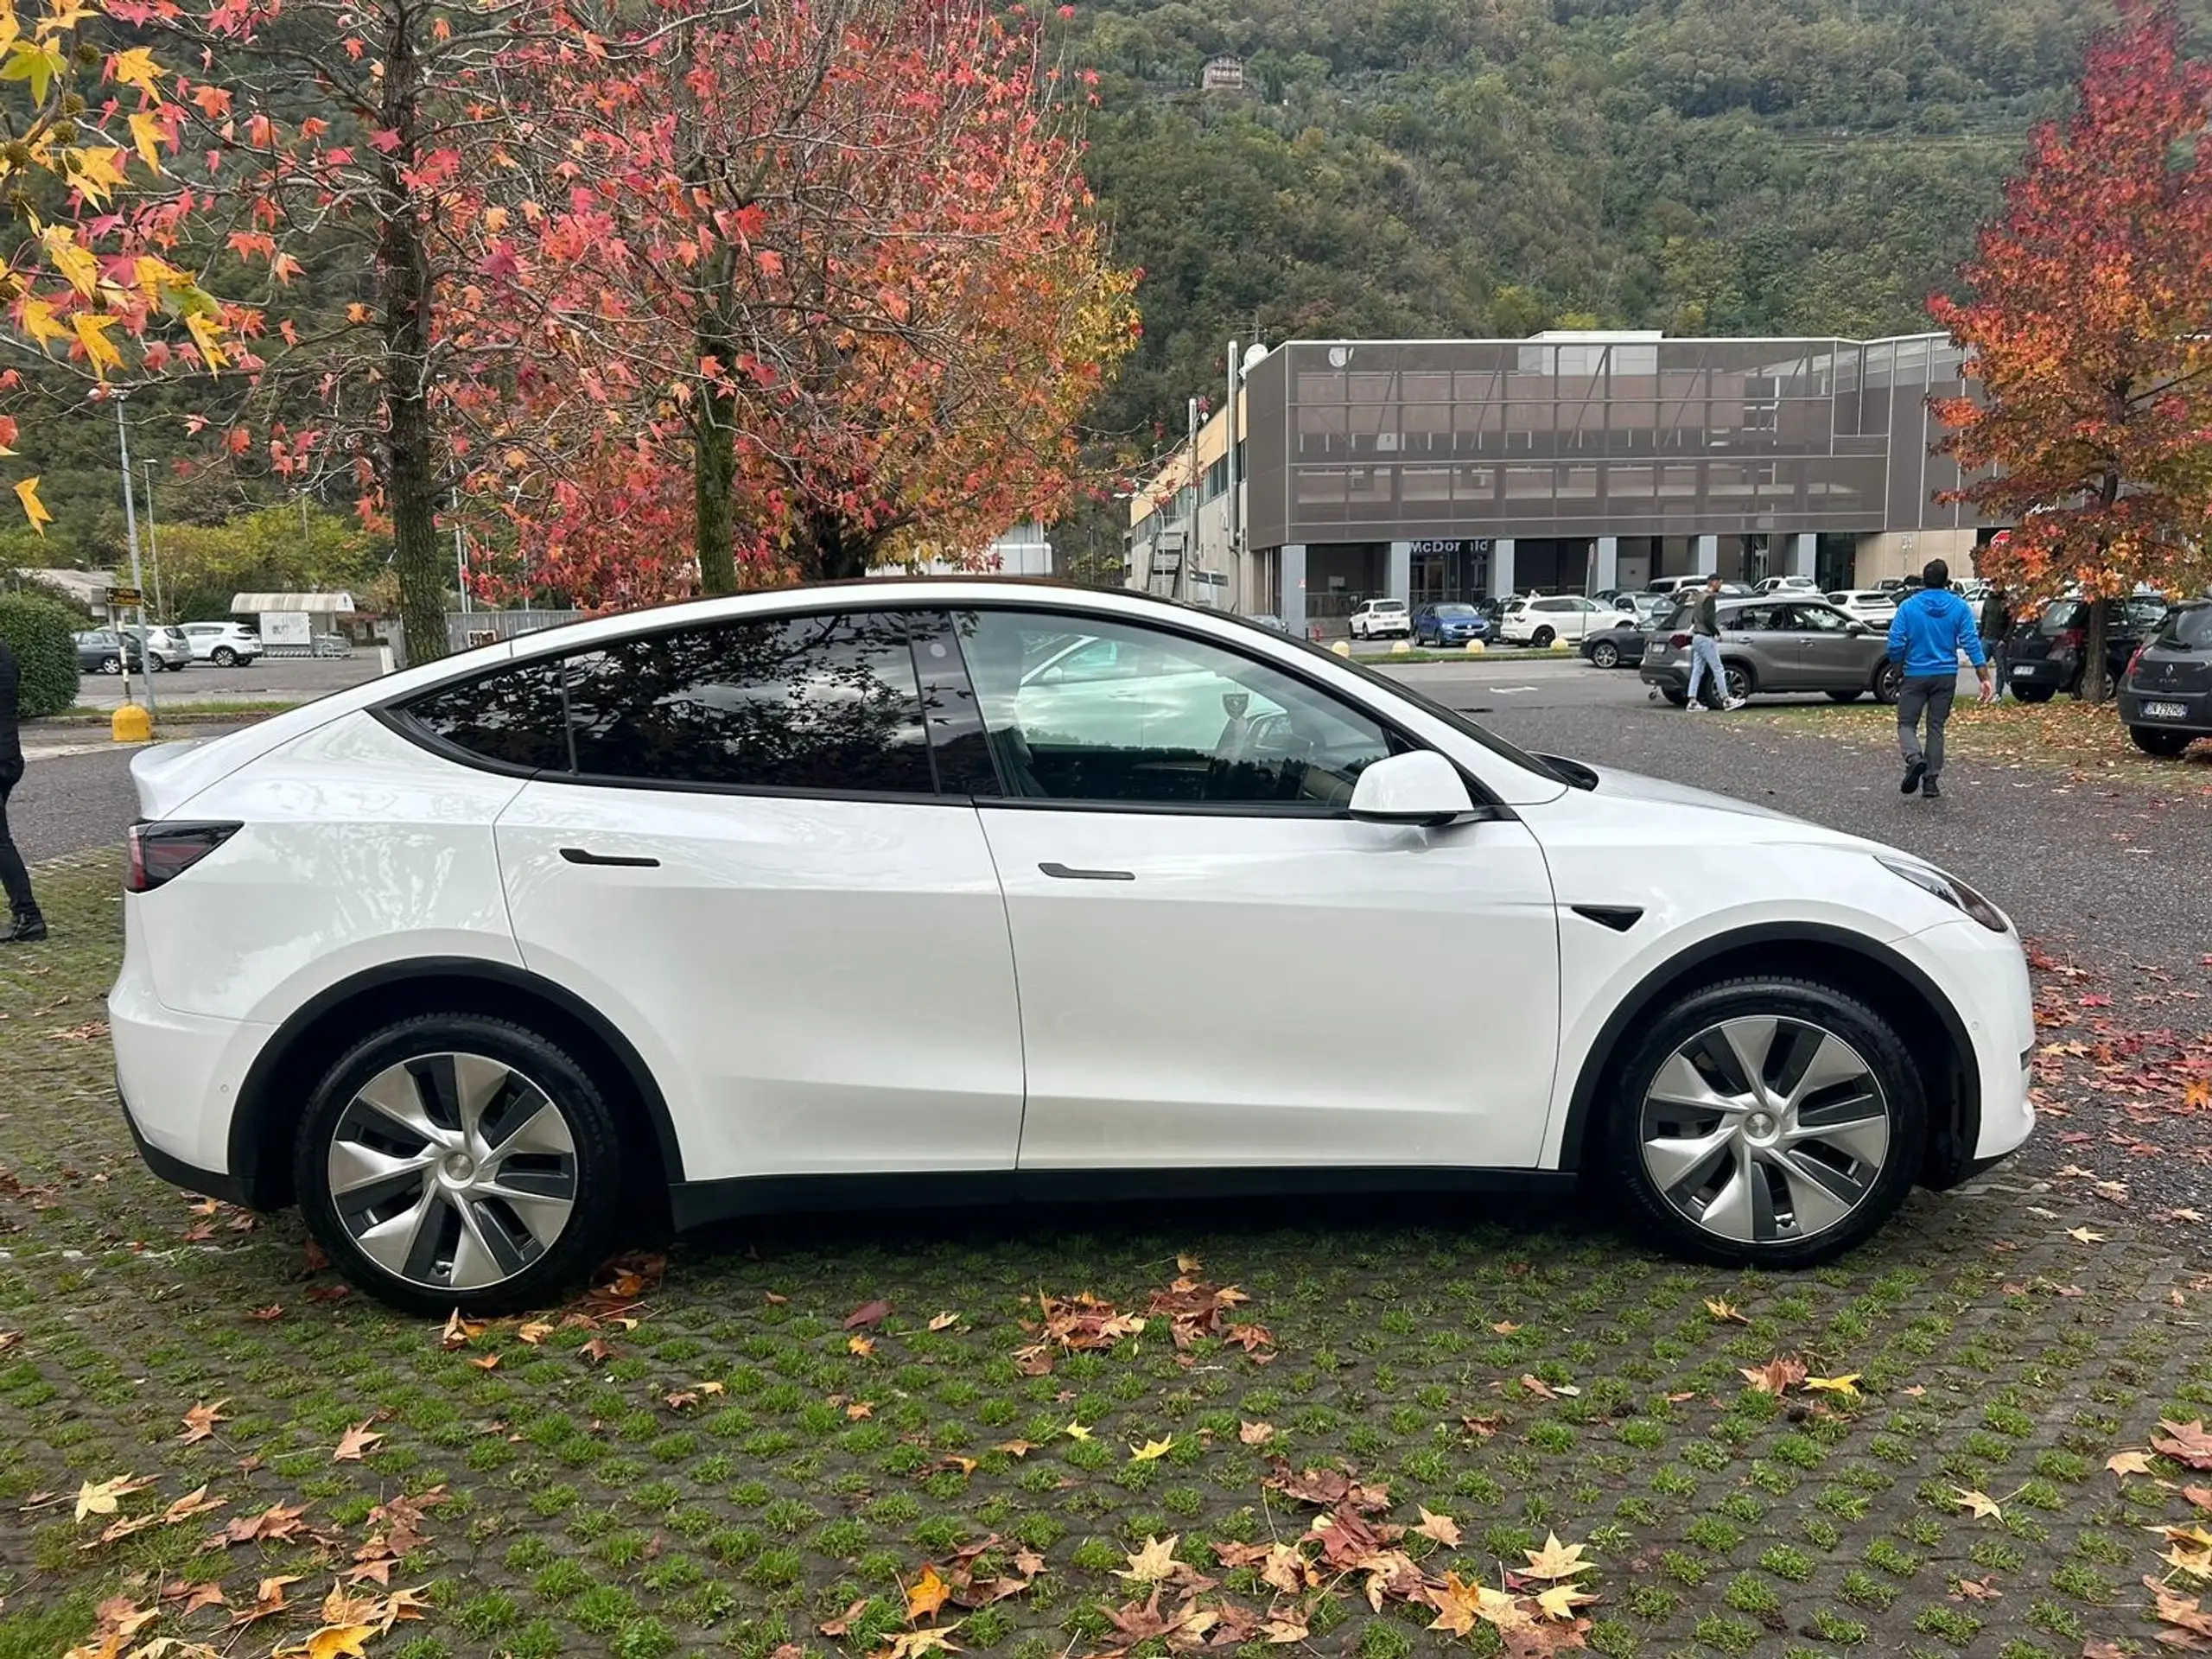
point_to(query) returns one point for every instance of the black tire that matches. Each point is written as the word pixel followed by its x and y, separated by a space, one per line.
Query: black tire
pixel 110 665
pixel 1736 677
pixel 2033 693
pixel 1846 696
pixel 1541 638
pixel 1605 654
pixel 2163 744
pixel 594 1171
pixel 1899 1096
pixel 1889 684
pixel 1680 699
pixel 223 656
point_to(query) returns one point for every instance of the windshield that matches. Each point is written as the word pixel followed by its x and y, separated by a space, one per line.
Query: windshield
pixel 1455 612
pixel 2061 615
pixel 2187 630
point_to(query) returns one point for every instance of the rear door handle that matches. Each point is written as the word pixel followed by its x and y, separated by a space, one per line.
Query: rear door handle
pixel 584 855
pixel 1064 873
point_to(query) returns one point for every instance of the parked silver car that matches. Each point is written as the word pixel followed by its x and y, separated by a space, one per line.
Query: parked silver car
pixel 165 647
pixel 1779 645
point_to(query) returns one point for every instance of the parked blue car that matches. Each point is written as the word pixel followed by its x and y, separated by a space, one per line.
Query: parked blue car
pixel 1449 624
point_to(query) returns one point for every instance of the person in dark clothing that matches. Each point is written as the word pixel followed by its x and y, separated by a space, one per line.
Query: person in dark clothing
pixel 1705 650
pixel 1996 628
pixel 24 922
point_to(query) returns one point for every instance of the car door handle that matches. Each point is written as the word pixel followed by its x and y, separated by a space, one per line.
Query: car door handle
pixel 1065 873
pixel 584 855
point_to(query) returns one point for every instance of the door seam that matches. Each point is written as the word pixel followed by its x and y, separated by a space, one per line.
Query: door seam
pixel 1014 972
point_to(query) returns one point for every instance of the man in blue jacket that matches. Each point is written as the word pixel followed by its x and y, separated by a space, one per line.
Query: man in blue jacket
pixel 1931 629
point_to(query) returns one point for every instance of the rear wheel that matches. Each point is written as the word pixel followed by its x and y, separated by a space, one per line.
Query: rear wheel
pixel 224 657
pixel 1680 699
pixel 1845 697
pixel 1767 1121
pixel 2033 693
pixel 1889 682
pixel 2152 741
pixel 1605 654
pixel 453 1160
pixel 1541 638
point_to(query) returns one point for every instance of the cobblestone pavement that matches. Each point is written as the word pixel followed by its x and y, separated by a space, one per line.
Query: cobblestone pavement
pixel 798 1438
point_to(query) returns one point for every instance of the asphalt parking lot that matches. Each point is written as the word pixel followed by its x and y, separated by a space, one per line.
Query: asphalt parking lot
pixel 289 679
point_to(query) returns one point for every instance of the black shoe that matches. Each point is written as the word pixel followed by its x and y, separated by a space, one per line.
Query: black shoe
pixel 1931 790
pixel 1913 772
pixel 28 928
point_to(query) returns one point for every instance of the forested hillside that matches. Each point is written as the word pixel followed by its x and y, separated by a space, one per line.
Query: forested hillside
pixel 1441 167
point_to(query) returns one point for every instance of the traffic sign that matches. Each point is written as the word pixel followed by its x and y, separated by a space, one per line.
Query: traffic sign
pixel 119 596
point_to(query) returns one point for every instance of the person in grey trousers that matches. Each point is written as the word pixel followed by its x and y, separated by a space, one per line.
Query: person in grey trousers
pixel 25 924
pixel 1932 627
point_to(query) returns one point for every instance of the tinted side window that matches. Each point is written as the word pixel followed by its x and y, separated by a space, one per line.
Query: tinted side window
pixel 819 703
pixel 513 717
pixel 1196 726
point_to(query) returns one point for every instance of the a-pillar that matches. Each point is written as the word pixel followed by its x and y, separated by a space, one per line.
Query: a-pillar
pixel 1290 576
pixel 1804 555
pixel 1707 550
pixel 1608 573
pixel 1501 568
pixel 1398 580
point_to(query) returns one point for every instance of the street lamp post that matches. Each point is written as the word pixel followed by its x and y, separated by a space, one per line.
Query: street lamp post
pixel 130 531
pixel 154 543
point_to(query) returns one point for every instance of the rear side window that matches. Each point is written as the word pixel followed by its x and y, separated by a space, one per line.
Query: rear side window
pixel 2190 629
pixel 511 718
pixel 816 702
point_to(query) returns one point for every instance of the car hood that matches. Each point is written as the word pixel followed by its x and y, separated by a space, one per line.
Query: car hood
pixel 1716 816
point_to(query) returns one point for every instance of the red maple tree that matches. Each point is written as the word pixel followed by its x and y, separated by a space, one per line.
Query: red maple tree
pixel 2085 324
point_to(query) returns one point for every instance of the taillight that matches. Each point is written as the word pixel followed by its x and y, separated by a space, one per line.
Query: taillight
pixel 161 852
pixel 1678 642
pixel 2069 639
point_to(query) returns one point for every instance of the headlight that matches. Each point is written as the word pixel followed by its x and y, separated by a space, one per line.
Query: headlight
pixel 1950 890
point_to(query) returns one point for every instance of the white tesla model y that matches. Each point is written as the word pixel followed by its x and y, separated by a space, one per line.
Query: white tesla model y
pixel 906 891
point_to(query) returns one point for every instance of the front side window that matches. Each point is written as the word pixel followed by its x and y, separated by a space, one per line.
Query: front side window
pixel 814 702
pixel 1198 726
pixel 511 718
pixel 1817 619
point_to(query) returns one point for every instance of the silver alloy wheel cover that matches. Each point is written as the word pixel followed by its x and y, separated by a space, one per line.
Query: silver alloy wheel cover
pixel 1764 1130
pixel 452 1171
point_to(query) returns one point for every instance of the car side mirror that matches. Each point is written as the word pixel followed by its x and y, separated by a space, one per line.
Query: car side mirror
pixel 1421 788
pixel 1860 630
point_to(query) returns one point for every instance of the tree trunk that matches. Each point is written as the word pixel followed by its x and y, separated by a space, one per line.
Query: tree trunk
pixel 404 296
pixel 2096 684
pixel 713 483
pixel 835 549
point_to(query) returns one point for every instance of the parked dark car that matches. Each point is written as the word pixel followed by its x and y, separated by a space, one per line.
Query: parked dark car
pixel 2165 695
pixel 1623 647
pixel 2046 651
pixel 1769 644
pixel 103 650
pixel 1449 624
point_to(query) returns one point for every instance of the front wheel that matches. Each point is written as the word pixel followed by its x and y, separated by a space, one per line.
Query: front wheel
pixel 1889 684
pixel 1845 697
pixel 110 665
pixel 453 1160
pixel 1738 679
pixel 1767 1121
pixel 1541 638
pixel 2164 744
pixel 1605 654
pixel 2033 693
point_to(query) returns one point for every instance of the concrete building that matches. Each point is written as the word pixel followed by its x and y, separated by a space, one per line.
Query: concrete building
pixel 1223 73
pixel 1569 461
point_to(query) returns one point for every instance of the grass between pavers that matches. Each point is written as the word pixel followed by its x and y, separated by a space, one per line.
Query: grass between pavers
pixel 724 1458
pixel 2064 734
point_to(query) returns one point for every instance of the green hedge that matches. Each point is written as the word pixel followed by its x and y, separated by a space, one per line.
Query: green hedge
pixel 43 633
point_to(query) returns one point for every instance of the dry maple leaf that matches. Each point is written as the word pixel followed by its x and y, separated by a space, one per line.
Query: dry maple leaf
pixel 867 1315
pixel 199 1422
pixel 862 1345
pixel 2186 1443
pixel 1982 1589
pixel 2129 1463
pixel 268 1599
pixel 1561 1600
pixel 1724 1311
pixel 1256 1434
pixel 2084 1235
pixel 837 1626
pixel 1459 1606
pixel 1285 1626
pixel 945 1321
pixel 1442 1528
pixel 1151 1450
pixel 402 1604
pixel 356 1443
pixel 925 1597
pixel 459 1332
pixel 534 1332
pixel 1982 1504
pixel 859 1411
pixel 1555 1561
pixel 1015 1448
pixel 912 1645
pixel 101 1496
pixel 192 1503
pixel 266 1315
pixel 1847 1385
pixel 1154 1564
pixel 1777 1376
pixel 597 1351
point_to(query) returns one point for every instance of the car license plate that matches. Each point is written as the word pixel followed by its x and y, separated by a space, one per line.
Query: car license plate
pixel 2165 710
pixel 2022 671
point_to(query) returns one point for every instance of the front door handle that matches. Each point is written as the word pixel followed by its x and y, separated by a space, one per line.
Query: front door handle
pixel 1064 873
pixel 584 855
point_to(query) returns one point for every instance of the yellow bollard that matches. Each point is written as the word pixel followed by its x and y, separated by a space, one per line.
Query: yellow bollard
pixel 131 724
pixel 1341 648
pixel 1402 648
pixel 1474 647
